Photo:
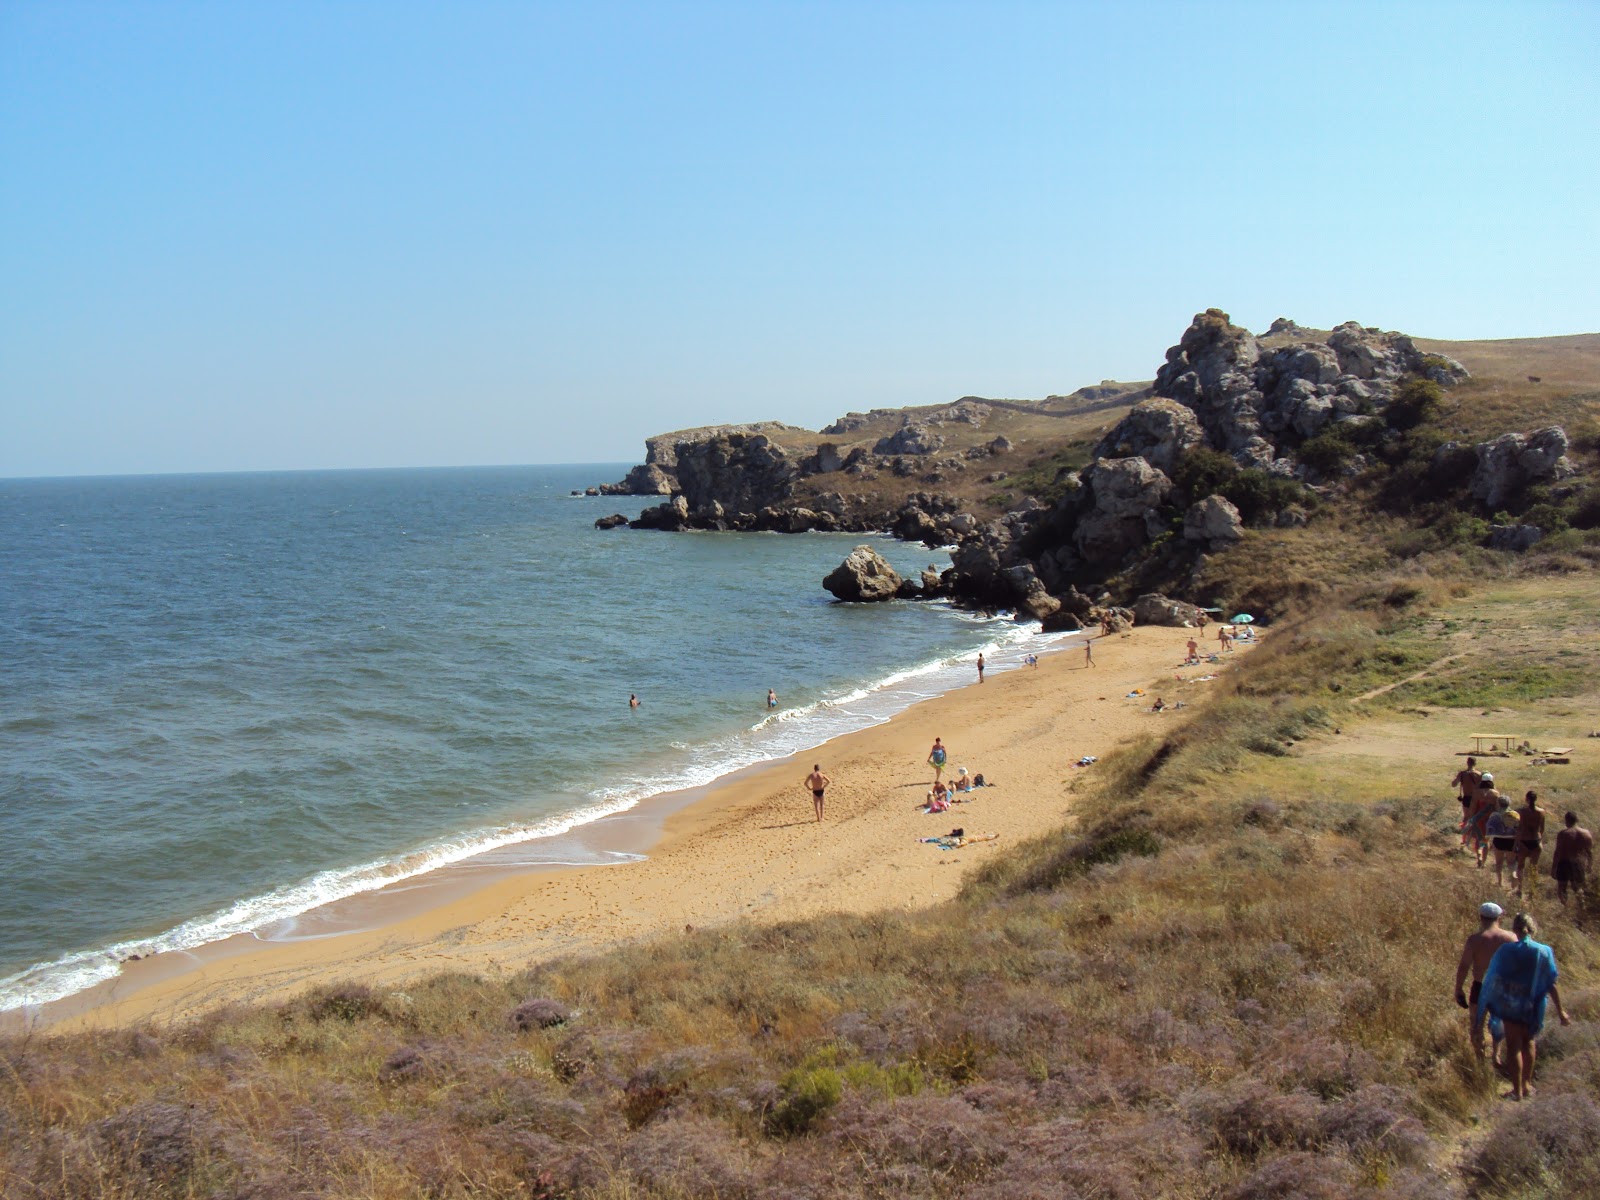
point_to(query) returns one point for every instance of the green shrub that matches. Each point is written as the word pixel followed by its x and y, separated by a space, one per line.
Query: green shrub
pixel 1258 495
pixel 1329 451
pixel 808 1096
pixel 1417 401
pixel 1202 472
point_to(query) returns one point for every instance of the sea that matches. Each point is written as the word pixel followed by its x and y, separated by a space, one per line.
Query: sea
pixel 228 700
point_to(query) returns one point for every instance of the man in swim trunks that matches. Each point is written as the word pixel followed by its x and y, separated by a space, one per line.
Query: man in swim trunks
pixel 772 698
pixel 1467 780
pixel 1530 841
pixel 1475 958
pixel 1520 977
pixel 1572 859
pixel 818 783
pixel 936 759
pixel 1194 653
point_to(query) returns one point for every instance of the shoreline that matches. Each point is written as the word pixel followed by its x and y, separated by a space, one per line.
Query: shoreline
pixel 744 845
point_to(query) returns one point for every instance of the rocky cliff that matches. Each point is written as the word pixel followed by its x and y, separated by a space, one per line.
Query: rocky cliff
pixel 1237 432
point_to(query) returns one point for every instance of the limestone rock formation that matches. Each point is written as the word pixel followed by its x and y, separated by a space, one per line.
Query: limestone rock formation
pixel 1157 430
pixel 1512 461
pixel 1123 496
pixel 863 575
pixel 1514 537
pixel 1155 609
pixel 912 439
pixel 1259 405
pixel 1214 521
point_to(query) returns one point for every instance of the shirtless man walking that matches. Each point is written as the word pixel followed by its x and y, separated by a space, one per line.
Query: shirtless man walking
pixel 1467 780
pixel 1572 859
pixel 1475 956
pixel 818 783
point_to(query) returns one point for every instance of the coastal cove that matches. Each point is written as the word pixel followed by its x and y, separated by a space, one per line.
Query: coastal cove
pixel 747 846
pixel 234 699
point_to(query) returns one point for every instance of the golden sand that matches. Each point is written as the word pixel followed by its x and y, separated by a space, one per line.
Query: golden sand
pixel 748 847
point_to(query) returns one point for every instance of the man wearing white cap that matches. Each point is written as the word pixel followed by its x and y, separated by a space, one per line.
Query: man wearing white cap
pixel 1475 957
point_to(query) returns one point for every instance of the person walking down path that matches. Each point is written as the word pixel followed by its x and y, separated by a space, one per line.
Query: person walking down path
pixel 1476 955
pixel 818 783
pixel 1501 828
pixel 937 757
pixel 1467 780
pixel 1572 860
pixel 1485 802
pixel 1530 841
pixel 1520 977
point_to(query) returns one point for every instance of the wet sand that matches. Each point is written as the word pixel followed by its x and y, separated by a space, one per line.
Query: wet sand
pixel 748 846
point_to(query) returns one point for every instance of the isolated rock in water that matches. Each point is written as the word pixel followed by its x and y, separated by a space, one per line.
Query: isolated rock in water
pixel 1514 460
pixel 1156 430
pixel 1213 520
pixel 863 575
pixel 1155 609
pixel 611 522
pixel 1125 494
pixel 1514 537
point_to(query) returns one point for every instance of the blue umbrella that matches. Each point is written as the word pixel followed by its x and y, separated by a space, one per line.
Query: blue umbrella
pixel 1243 619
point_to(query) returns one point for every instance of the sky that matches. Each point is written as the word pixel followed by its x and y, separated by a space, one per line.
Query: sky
pixel 283 235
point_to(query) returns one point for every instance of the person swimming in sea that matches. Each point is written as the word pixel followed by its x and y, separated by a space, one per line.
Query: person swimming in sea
pixel 772 698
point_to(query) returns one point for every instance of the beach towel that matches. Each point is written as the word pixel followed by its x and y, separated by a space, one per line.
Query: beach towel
pixel 938 757
pixel 1518 980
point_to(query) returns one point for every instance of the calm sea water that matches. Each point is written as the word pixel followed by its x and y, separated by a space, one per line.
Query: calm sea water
pixel 226 700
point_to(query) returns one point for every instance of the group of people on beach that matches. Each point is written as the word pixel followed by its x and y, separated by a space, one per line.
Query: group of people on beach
pixel 1511 975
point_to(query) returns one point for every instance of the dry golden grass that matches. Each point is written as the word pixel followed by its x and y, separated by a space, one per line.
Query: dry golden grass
pixel 1232 978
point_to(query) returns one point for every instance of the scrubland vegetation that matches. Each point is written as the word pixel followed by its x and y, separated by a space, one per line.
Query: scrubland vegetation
pixel 1232 978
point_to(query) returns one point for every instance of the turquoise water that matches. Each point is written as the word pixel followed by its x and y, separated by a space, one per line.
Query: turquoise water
pixel 229 699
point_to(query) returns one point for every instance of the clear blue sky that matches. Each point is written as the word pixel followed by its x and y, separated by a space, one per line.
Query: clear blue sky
pixel 270 235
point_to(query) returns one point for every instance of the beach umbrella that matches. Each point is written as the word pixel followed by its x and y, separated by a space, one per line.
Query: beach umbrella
pixel 1243 619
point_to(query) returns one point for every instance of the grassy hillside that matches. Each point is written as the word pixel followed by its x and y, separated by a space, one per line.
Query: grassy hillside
pixel 1231 979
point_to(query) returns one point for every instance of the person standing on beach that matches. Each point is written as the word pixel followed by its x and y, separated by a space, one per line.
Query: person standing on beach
pixel 1475 958
pixel 1520 976
pixel 818 783
pixel 1572 859
pixel 1530 841
pixel 980 666
pixel 1467 780
pixel 1194 653
pixel 1088 653
pixel 936 758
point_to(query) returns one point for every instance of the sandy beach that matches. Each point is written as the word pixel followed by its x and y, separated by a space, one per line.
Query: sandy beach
pixel 747 847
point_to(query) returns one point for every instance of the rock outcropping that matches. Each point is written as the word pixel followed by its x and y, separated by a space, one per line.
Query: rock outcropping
pixel 863 575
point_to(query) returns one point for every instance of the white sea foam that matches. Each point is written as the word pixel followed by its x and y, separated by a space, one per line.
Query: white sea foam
pixel 781 734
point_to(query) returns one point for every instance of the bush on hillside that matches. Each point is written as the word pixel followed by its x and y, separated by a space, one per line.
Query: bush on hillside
pixel 1416 402
pixel 1202 472
pixel 1260 496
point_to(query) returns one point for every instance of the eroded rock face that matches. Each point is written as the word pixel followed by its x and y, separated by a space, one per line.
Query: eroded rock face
pixel 1514 537
pixel 913 439
pixel 1157 430
pixel 1214 521
pixel 1259 405
pixel 1155 609
pixel 1124 494
pixel 1512 461
pixel 864 575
